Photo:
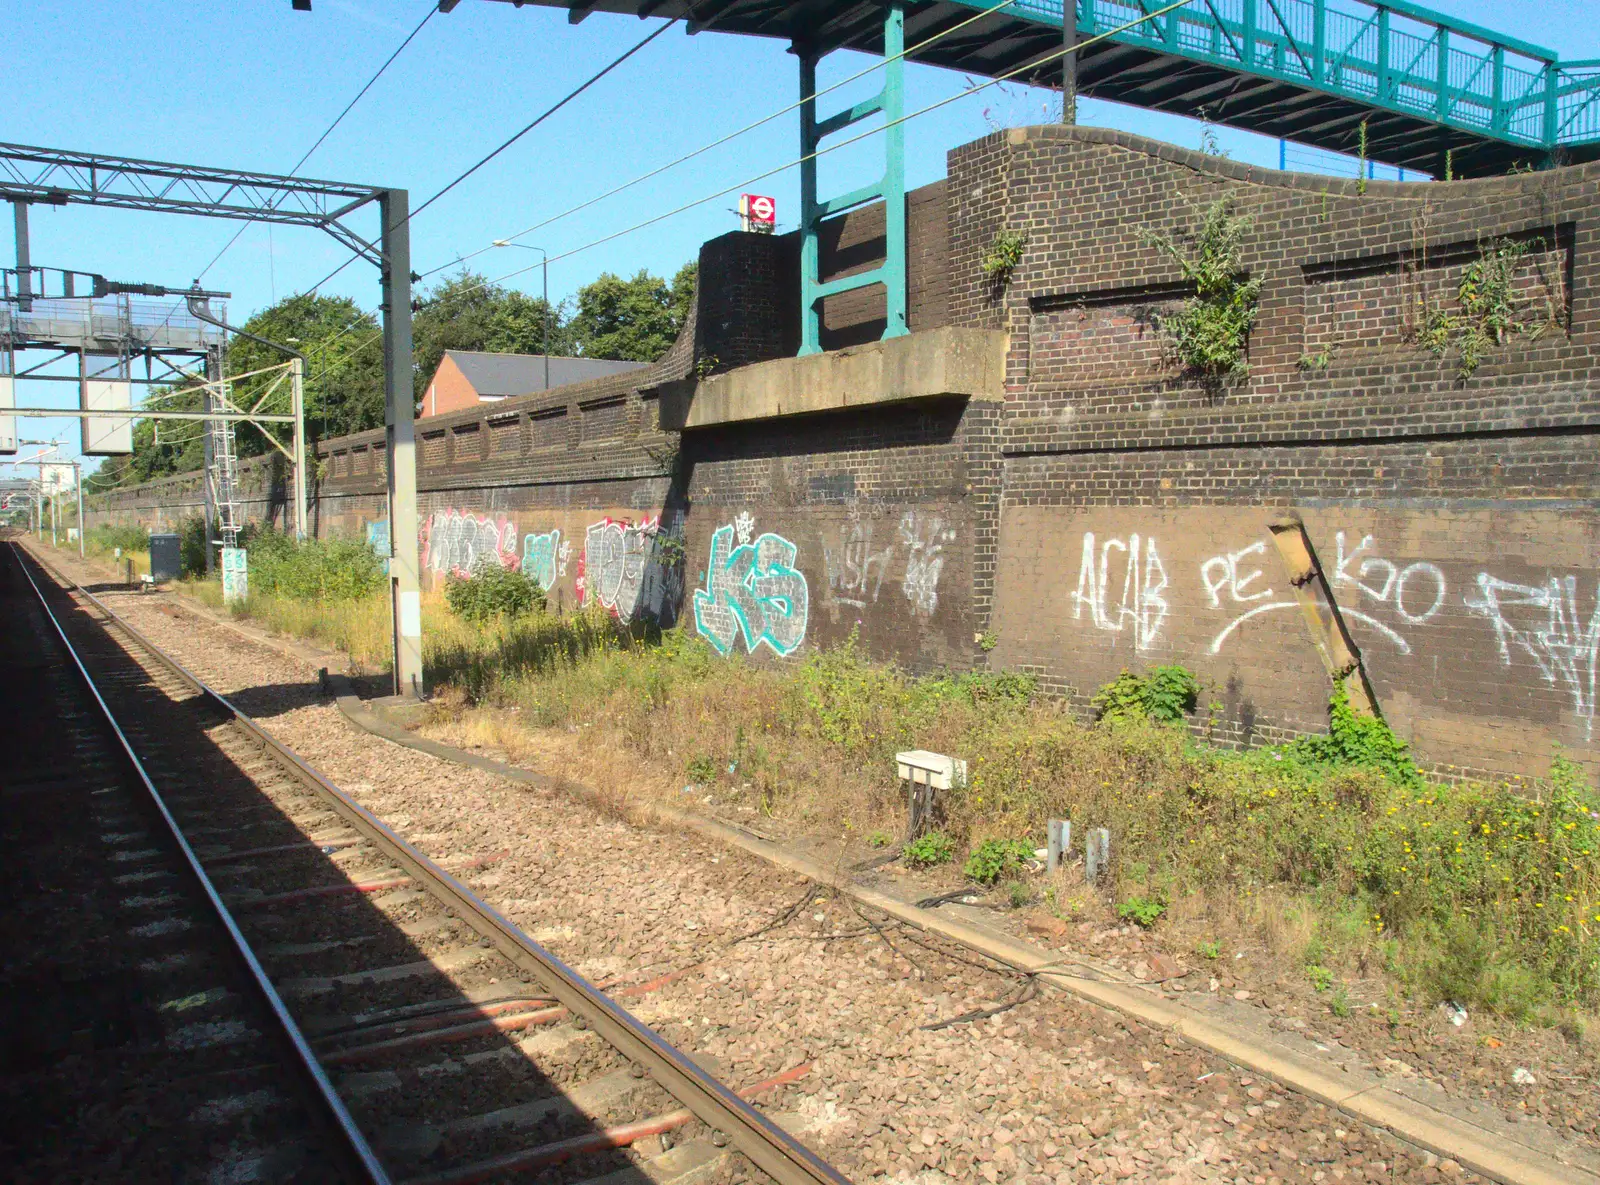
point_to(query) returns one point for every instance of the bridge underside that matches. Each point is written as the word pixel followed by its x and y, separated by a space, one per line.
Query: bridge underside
pixel 1138 74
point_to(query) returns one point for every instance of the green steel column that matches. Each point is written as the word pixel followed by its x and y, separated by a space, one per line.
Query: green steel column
pixel 1385 86
pixel 1497 120
pixel 1442 98
pixel 1249 34
pixel 894 170
pixel 1551 78
pixel 1319 41
pixel 810 313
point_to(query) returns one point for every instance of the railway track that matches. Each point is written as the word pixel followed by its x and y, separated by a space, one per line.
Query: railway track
pixel 436 1043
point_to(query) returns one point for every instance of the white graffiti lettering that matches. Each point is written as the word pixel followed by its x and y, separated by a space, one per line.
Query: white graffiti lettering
pixel 1222 572
pixel 855 570
pixel 1144 578
pixel 1383 580
pixel 460 543
pixel 1543 623
pixel 924 537
pixel 615 557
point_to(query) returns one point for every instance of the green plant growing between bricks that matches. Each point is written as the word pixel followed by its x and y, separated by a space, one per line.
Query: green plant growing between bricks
pixel 1211 333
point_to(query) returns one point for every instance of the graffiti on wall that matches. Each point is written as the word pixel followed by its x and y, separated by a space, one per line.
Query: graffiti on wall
pixel 858 559
pixel 753 592
pixel 1547 629
pixel 378 540
pixel 631 568
pixel 459 543
pixel 1407 596
pixel 544 557
pixel 1544 623
pixel 924 536
pixel 856 569
pixel 1121 586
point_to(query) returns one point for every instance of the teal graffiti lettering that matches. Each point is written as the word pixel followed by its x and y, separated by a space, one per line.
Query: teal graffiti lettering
pixel 754 592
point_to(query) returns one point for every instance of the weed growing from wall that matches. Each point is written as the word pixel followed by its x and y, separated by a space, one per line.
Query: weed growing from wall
pixel 1162 695
pixel 1210 334
pixel 1488 311
pixel 1004 255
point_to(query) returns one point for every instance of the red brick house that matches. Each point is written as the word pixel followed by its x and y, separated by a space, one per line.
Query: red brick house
pixel 466 378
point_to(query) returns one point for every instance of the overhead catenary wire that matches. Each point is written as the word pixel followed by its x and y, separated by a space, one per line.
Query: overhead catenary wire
pixel 1025 68
pixel 526 128
pixel 348 107
pixel 704 148
pixel 996 80
pixel 670 164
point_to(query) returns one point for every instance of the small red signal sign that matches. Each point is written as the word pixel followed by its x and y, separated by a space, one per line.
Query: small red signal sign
pixel 757 212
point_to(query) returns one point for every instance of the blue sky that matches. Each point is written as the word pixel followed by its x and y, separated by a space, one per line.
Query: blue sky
pixel 251 84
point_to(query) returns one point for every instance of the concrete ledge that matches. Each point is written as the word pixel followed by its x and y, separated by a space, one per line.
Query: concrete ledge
pixel 937 362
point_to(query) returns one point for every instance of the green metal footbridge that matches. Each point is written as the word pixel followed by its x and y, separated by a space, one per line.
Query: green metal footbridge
pixel 1423 90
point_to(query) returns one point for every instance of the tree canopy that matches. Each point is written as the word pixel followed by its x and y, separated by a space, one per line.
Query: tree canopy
pixel 636 320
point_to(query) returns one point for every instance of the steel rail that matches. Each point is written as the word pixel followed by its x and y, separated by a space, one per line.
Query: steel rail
pixel 767 1145
pixel 362 1159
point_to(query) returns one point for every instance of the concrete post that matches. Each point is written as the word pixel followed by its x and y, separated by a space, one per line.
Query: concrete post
pixel 399 415
pixel 1059 842
pixel 1096 854
pixel 297 376
pixel 77 480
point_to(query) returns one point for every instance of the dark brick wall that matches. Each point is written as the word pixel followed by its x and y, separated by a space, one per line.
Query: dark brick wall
pixel 1110 511
pixel 1455 518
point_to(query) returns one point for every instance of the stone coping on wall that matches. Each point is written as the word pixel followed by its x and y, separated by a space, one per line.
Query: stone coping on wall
pixel 935 363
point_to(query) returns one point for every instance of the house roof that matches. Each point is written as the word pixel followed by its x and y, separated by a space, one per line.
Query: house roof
pixel 495 376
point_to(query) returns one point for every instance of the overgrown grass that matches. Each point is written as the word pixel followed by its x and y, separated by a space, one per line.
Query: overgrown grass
pixel 1375 858
pixel 1488 894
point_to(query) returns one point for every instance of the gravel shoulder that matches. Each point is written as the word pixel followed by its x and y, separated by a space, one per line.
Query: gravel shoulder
pixel 908 1086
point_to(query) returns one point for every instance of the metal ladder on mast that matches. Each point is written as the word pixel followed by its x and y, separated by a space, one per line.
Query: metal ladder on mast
pixel 224 474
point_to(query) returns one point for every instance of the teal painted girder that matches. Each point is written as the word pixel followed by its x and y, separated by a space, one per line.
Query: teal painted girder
pixel 1391 56
pixel 890 188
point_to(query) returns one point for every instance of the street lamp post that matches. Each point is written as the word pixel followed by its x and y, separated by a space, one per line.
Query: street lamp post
pixel 544 271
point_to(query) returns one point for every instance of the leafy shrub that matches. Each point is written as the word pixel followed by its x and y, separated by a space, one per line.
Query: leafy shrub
pixel 1210 333
pixel 1163 695
pixel 1488 309
pixel 994 859
pixel 1361 741
pixel 1004 254
pixel 702 769
pixel 1141 911
pixel 1210 948
pixel 879 839
pixel 109 537
pixel 929 849
pixel 318 570
pixel 1018 894
pixel 1321 978
pixel 491 592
